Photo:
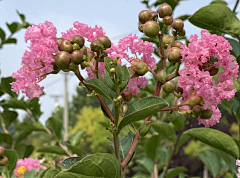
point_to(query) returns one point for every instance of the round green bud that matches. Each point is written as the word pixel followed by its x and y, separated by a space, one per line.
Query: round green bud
pixel 162 76
pixel 66 45
pixel 168 20
pixel 154 16
pixel 2 150
pixel 3 161
pixel 197 109
pixel 164 10
pixel 59 41
pixel 77 56
pixel 84 50
pixel 181 33
pixel 177 44
pixel 75 46
pixel 174 54
pixel 167 39
pixel 144 128
pixel 102 56
pixel 126 95
pixel 178 25
pixel 96 45
pixel 144 16
pixel 169 86
pixel 179 90
pixel 62 60
pixel 213 71
pixel 78 39
pixel 105 41
pixel 194 100
pixel 151 28
pixel 206 114
pixel 141 68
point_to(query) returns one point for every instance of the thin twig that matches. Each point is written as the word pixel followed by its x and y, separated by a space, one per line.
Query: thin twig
pixel 3 124
pixel 225 172
pixel 235 7
pixel 64 148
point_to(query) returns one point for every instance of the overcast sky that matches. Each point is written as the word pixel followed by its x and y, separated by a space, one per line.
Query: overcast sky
pixel 117 17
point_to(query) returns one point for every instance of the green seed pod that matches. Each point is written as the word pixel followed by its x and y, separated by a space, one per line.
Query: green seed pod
pixel 174 54
pixel 66 45
pixel 177 44
pixel 59 41
pixel 206 114
pixel 75 46
pixel 144 128
pixel 3 161
pixel 62 60
pixel 151 28
pixel 77 56
pixel 162 76
pixel 144 16
pixel 96 45
pixel 169 86
pixel 78 39
pixel 154 16
pixel 167 39
pixel 197 110
pixel 168 20
pixel 164 10
pixel 105 41
pixel 178 25
pixel 194 100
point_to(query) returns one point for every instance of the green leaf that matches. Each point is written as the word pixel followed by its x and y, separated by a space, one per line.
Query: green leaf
pixel 6 138
pixel 5 172
pixel 68 162
pixel 11 40
pixel 34 173
pixel 34 126
pixel 15 104
pixel 209 159
pixel 141 109
pixel 182 140
pixel 22 16
pixel 12 160
pixel 235 106
pixel 107 64
pixel 119 73
pixel 216 139
pixel 174 172
pixel 109 81
pixel 218 2
pixel 52 149
pixel 238 114
pixel 75 139
pixel 217 17
pixel 51 173
pixel 110 105
pixel 92 166
pixel 235 47
pixel 8 117
pixel 13 27
pixel 6 87
pixel 56 125
pixel 151 146
pixel 178 121
pixel 183 17
pixel 125 143
pixel 22 136
pixel 147 163
pixel 126 77
pixel 165 130
pixel 75 150
pixel 2 34
pixel 100 87
pixel 23 150
pixel 35 107
pixel 41 175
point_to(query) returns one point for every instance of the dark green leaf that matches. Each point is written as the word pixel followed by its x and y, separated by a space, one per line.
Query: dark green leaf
pixel 52 149
pixel 107 64
pixel 217 17
pixel 22 136
pixel 216 139
pixel 6 138
pixel 235 46
pixel 35 107
pixel 68 162
pixel 238 114
pixel 35 173
pixel 210 158
pixel 125 143
pixel 34 126
pixel 141 109
pixel 126 77
pixel 75 150
pixel 119 72
pixel 15 104
pixel 56 125
pixel 235 106
pixel 151 146
pixel 13 27
pixel 100 87
pixel 11 40
pixel 2 34
pixel 165 130
pixel 75 139
pixel 92 166
pixel 23 150
pixel 12 160
pixel 183 17
pixel 178 121
pixel 109 81
pixel 147 163
pixel 8 117
pixel 182 140
pixel 174 172
pixel 110 105
pixel 22 17
pixel 41 175
pixel 6 87
pixel 51 173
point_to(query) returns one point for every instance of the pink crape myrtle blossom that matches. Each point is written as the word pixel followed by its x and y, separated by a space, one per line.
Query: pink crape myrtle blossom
pixel 26 164
pixel 37 61
pixel 198 53
pixel 238 164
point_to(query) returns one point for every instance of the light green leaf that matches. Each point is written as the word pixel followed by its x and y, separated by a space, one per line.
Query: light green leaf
pixel 141 109
pixel 34 126
pixel 68 162
pixel 165 130
pixel 102 165
pixel 75 139
pixel 35 173
pixel 52 149
pixel 12 160
pixel 109 81
pixel 6 138
pixel 217 17
pixel 174 172
pixel 56 125
pixel 216 139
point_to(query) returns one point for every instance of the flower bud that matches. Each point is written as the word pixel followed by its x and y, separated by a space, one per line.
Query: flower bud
pixel 213 71
pixel 181 33
pixel 105 41
pixel 168 20
pixel 66 45
pixel 75 46
pixel 96 46
pixel 126 95
pixel 162 76
pixel 206 114
pixel 62 60
pixel 194 100
pixel 167 39
pixel 90 54
pixel 3 161
pixel 77 56
pixel 59 41
pixel 179 90
pixel 144 128
pixel 197 109
pixel 174 54
pixel 102 56
pixel 169 86
pixel 178 25
pixel 144 16
pixel 78 39
pixel 164 10
pixel 177 44
pixel 84 50
pixel 2 150
pixel 151 28
pixel 140 27
pixel 141 68
pixel 154 16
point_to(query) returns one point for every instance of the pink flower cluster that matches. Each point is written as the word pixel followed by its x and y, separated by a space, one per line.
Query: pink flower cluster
pixel 37 61
pixel 238 164
pixel 198 52
pixel 26 164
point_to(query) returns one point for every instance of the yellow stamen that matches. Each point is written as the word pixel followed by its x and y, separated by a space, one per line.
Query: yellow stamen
pixel 21 170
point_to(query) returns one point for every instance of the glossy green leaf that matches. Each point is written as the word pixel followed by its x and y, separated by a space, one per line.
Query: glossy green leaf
pixel 141 109
pixel 51 173
pixel 125 143
pixel 165 130
pixel 34 126
pixel 101 88
pixel 126 77
pixel 23 150
pixel 75 150
pixel 15 104
pixel 6 87
pixel 8 117
pixel 92 166
pixel 6 138
pixel 56 126
pixel 173 172
pixel 216 139
pixel 217 17
pixel 209 159
pixel 22 136
pixel 13 27
pixel 76 138
pixel 235 47
pixel 52 149
pixel 151 147
pixel 2 34
pixel 68 162
pixel 12 160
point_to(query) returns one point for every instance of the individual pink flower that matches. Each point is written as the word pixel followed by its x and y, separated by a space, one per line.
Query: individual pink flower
pixel 26 164
pixel 37 61
pixel 238 164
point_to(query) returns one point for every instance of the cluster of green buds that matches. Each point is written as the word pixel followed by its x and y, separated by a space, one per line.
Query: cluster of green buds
pixel 73 52
pixel 208 66
pixel 199 111
pixel 3 159
pixel 138 68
